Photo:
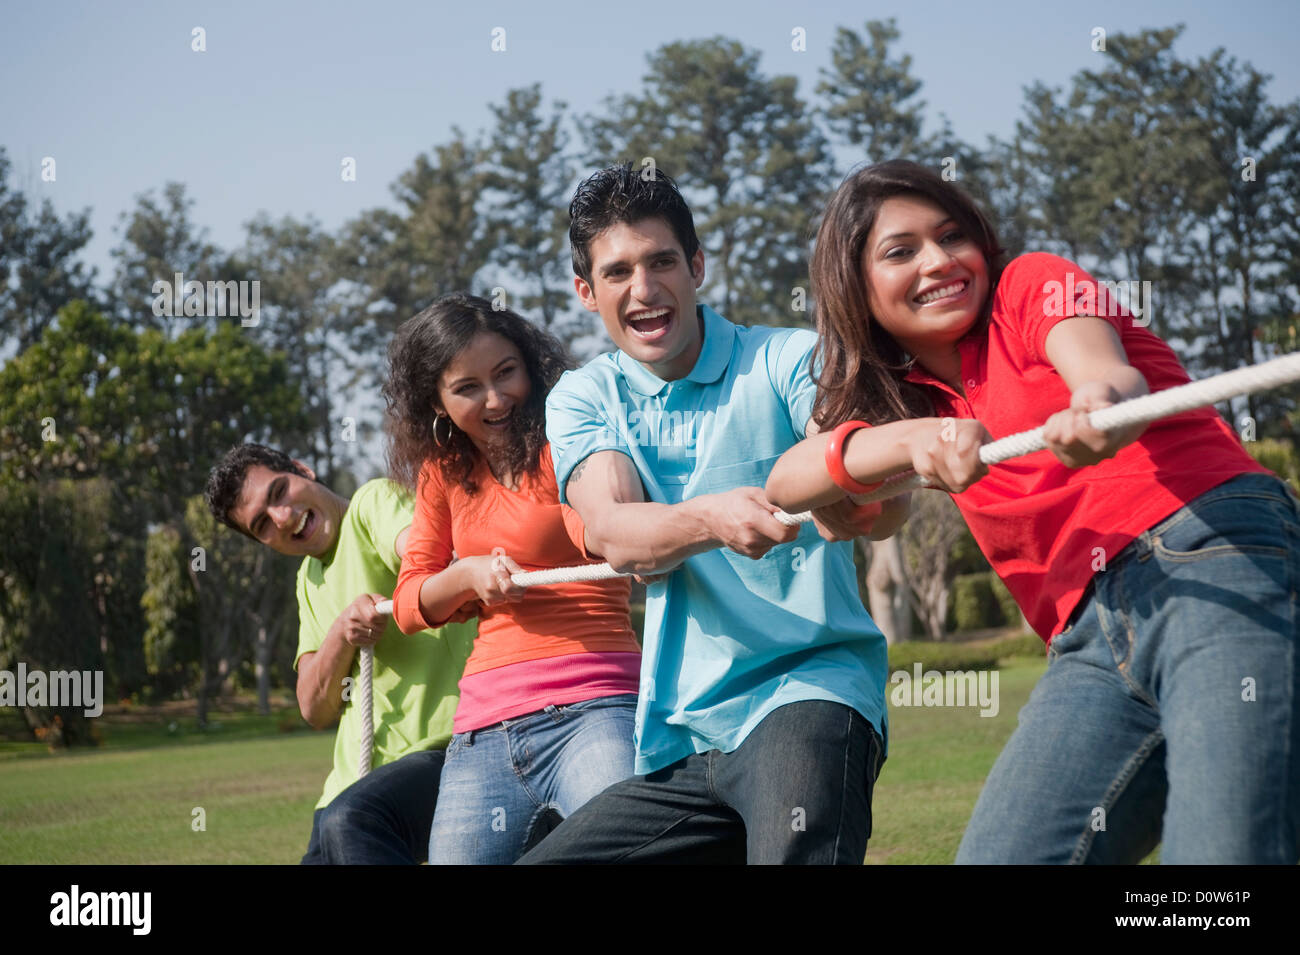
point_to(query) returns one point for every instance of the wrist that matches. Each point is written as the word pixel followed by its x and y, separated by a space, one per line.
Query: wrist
pixel 834 459
pixel 699 527
pixel 919 435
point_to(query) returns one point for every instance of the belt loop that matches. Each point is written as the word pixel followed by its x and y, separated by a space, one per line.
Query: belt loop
pixel 551 710
pixel 469 738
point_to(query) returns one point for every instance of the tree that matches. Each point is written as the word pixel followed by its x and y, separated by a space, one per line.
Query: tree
pixel 244 593
pixel 887 587
pixel 750 158
pixel 1052 141
pixel 117 428
pixel 928 539
pixel 160 239
pixel 529 175
pixel 302 316
pixel 13 209
pixel 171 614
pixel 870 99
pixel 1247 205
pixel 48 275
pixel 1117 165
pixel 39 267
pixel 437 243
pixel 93 398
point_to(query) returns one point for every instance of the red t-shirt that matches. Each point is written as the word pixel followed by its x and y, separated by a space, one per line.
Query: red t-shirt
pixel 1046 528
pixel 531 526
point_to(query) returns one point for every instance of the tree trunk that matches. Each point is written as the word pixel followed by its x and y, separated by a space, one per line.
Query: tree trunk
pixel 887 588
pixel 262 667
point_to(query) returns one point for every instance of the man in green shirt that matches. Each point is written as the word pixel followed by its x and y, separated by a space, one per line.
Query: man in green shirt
pixel 352 553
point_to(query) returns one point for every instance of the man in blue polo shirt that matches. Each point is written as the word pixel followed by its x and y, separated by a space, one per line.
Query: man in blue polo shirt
pixel 762 683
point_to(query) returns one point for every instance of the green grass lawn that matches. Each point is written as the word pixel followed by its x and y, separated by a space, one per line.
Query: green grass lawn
pixel 938 758
pixel 131 800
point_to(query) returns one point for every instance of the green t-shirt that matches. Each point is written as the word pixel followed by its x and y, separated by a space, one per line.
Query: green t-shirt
pixel 415 676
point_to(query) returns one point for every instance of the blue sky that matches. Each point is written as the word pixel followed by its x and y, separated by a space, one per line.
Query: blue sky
pixel 261 120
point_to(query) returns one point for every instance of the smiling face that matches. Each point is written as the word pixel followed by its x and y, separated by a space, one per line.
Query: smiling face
pixel 643 286
pixel 926 279
pixel 483 389
pixel 288 512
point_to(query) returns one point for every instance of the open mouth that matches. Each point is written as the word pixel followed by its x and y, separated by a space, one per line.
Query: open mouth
pixel 501 421
pixel 306 524
pixel 651 324
pixel 948 292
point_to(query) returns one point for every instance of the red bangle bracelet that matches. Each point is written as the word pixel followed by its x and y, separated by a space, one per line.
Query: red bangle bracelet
pixel 835 459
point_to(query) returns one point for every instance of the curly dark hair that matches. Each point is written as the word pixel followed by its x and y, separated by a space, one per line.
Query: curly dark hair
pixel 226 479
pixel 418 355
pixel 621 193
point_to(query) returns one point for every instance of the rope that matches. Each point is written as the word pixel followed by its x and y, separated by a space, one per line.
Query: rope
pixel 1162 404
pixel 368 706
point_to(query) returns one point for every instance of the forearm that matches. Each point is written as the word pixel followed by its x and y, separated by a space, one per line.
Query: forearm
pixel 893 515
pixel 649 538
pixel 443 593
pixel 320 684
pixel 800 480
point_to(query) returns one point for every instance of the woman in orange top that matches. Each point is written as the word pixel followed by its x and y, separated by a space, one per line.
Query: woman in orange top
pixel 548 695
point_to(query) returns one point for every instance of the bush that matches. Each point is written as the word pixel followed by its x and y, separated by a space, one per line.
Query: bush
pixel 974 605
pixel 1280 457
pixel 941 656
pixel 1025 645
pixel 956 656
pixel 1006 603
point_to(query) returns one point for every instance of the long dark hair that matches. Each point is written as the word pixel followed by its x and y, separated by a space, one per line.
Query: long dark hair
pixel 418 355
pixel 862 366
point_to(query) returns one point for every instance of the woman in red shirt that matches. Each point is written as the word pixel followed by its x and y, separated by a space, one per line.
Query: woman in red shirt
pixel 1161 563
pixel 548 695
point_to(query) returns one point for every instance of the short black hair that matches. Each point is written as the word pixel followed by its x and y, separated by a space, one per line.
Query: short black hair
pixel 623 193
pixel 226 479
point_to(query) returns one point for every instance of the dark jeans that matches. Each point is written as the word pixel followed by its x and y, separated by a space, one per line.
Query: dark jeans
pixel 798 790
pixel 382 818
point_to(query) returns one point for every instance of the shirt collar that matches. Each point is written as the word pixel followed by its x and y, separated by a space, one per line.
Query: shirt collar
pixel 918 375
pixel 715 355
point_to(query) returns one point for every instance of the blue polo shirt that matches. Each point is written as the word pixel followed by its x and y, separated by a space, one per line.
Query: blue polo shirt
pixel 727 639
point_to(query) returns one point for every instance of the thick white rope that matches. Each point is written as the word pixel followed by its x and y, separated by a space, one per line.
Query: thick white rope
pixel 1161 404
pixel 1196 394
pixel 367 704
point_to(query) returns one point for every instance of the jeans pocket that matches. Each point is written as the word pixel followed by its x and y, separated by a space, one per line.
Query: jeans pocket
pixel 1063 640
pixel 456 744
pixel 878 755
pixel 1245 523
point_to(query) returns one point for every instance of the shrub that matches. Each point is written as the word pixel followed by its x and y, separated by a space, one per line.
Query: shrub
pixel 957 656
pixel 974 604
pixel 1006 603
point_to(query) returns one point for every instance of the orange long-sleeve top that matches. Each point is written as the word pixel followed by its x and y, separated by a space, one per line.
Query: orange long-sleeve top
pixel 532 527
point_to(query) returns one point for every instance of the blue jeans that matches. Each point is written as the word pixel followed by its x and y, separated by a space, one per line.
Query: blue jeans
pixel 1168 712
pixel 797 790
pixel 502 784
pixel 381 819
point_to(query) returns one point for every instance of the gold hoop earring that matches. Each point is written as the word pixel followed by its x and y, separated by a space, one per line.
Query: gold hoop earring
pixel 436 440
